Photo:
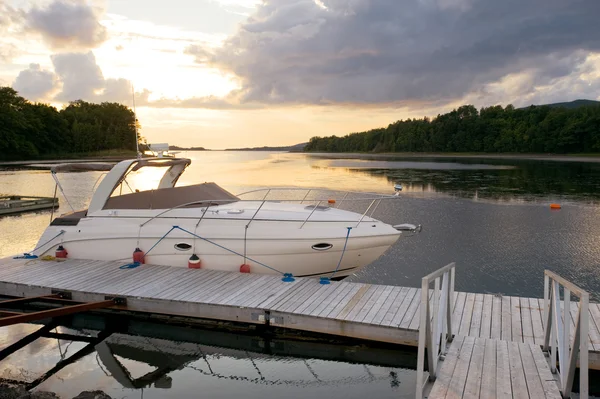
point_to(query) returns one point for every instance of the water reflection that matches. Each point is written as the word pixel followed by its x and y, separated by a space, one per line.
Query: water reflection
pixel 489 179
pixel 124 356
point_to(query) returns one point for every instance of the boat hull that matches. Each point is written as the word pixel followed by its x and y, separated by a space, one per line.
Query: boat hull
pixel 269 247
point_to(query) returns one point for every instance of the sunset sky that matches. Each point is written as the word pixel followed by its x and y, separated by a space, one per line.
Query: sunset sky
pixel 236 73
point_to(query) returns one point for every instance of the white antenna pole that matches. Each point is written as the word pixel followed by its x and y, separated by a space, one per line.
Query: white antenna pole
pixel 137 146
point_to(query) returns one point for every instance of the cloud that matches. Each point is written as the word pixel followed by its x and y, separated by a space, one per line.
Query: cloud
pixel 402 51
pixel 82 79
pixel 207 102
pixel 35 83
pixel 80 75
pixel 67 24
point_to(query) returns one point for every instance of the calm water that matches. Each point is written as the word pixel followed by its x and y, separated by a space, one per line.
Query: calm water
pixel 491 217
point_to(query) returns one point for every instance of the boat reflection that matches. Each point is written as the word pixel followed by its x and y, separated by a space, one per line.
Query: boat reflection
pixel 140 354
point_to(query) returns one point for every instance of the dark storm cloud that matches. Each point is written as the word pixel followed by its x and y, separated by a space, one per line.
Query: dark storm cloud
pixel 394 51
pixel 67 24
pixel 35 83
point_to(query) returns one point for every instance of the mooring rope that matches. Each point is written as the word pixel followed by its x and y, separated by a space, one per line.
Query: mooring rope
pixel 30 255
pixel 325 280
pixel 136 264
pixel 288 277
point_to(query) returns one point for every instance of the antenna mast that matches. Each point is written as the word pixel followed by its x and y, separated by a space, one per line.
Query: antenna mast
pixel 137 145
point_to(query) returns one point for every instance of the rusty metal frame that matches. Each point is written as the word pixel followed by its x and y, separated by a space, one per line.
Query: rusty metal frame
pixel 8 318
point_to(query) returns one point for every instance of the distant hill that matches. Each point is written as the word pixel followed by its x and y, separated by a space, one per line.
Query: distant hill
pixel 290 148
pixel 175 148
pixel 571 104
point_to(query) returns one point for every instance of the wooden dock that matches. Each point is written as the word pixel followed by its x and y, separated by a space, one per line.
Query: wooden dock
pixel 491 368
pixel 13 204
pixel 381 313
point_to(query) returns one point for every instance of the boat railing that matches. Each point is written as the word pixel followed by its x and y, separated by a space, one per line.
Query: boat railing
pixel 374 198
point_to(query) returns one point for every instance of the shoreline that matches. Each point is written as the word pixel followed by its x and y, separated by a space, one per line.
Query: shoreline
pixel 533 157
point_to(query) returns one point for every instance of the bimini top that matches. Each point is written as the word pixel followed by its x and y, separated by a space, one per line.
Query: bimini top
pixel 174 167
pixel 82 167
pixel 105 166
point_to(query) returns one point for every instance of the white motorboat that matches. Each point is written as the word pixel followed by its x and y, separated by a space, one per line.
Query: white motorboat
pixel 205 226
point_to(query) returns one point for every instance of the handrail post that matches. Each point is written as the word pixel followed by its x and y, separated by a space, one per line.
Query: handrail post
pixel 313 211
pixel 557 315
pixel 435 329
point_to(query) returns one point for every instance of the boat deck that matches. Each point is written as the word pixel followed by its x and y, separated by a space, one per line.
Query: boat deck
pixel 381 313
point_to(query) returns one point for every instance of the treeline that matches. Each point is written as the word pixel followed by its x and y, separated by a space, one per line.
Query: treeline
pixel 34 130
pixel 537 129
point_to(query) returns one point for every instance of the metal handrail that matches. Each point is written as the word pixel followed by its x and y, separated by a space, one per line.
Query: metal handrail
pixel 435 330
pixel 311 189
pixel 319 201
pixel 557 328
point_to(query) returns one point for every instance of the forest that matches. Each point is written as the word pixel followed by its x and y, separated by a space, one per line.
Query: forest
pixel 40 131
pixel 535 129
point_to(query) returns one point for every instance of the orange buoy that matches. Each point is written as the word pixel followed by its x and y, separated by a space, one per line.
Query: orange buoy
pixel 61 252
pixel 554 206
pixel 245 268
pixel 138 256
pixel 194 262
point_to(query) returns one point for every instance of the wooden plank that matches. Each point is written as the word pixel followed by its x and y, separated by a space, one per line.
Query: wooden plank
pixel 549 384
pixel 416 318
pixel 411 311
pixel 368 306
pixel 381 299
pixel 143 289
pixel 389 302
pixel 532 376
pixel 461 371
pixel 517 375
pixel 496 329
pixel 274 294
pixel 340 299
pixel 333 294
pixel 193 284
pixel 465 323
pixel 286 291
pixel 260 288
pixel 291 298
pixel 330 302
pixel 526 322
pixel 205 293
pixel 362 302
pixel 118 278
pixel 184 282
pixel 405 295
pixel 488 372
pixel 307 295
pixel 352 302
pixel 228 287
pixel 459 308
pixel 131 281
pixel 515 313
pixel 503 376
pixel 506 319
pixel 485 330
pixel 259 294
pixel 476 319
pixel 594 325
pixel 324 290
pixel 246 291
pixel 474 374
pixel 442 382
pixel 535 306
